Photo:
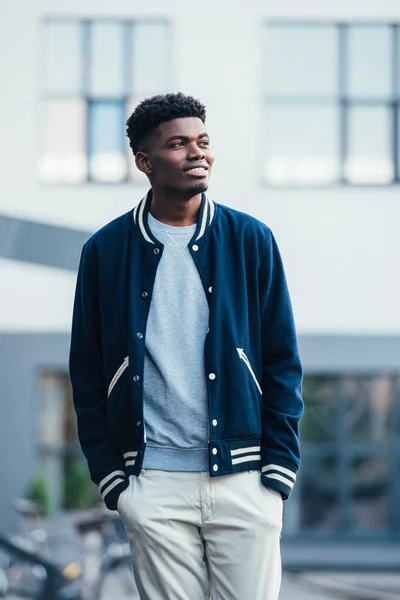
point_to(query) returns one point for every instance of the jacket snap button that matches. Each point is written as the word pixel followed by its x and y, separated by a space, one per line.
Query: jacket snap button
pixel 156 251
pixel 214 451
pixel 144 294
pixel 215 422
pixel 215 468
pixel 136 378
pixel 212 376
pixel 195 248
pixel 139 335
pixel 139 423
pixel 210 289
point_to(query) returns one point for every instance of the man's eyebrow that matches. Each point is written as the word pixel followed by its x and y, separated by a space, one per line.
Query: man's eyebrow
pixel 184 137
pixel 177 137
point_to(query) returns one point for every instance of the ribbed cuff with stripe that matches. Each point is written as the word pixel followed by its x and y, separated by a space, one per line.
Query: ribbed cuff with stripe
pixel 279 474
pixel 111 486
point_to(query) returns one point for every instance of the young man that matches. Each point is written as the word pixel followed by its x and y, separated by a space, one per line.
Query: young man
pixel 186 374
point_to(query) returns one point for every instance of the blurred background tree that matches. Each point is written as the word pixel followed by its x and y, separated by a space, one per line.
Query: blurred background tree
pixel 38 493
pixel 79 491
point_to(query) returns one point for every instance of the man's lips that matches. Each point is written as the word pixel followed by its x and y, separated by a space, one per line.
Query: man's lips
pixel 197 171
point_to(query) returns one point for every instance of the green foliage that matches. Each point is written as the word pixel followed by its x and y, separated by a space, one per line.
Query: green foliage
pixel 79 491
pixel 38 493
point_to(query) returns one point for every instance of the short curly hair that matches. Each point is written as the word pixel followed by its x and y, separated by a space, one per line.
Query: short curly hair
pixel 151 112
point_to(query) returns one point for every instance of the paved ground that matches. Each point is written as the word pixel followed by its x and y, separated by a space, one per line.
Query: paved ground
pixel 347 586
pixel 323 567
pixel 312 587
pixel 341 555
pixel 366 584
pixel 291 590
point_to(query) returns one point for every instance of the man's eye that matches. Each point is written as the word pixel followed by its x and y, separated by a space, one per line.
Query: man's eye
pixel 176 144
pixel 205 143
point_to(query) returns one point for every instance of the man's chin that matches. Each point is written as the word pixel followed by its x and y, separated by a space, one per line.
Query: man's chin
pixel 198 188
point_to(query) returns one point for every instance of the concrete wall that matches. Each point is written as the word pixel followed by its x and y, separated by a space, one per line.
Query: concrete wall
pixel 339 244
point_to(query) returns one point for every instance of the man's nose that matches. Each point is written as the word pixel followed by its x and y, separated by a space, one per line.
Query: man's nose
pixel 195 152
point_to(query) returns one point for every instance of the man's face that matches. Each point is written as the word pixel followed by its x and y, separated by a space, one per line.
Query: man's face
pixel 179 157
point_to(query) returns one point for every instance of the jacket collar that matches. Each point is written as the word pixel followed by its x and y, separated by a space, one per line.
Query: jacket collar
pixel 141 211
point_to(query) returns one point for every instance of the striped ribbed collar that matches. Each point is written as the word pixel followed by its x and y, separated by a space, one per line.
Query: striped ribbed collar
pixel 141 211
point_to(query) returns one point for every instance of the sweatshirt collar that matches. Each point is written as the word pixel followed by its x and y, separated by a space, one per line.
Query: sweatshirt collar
pixel 141 211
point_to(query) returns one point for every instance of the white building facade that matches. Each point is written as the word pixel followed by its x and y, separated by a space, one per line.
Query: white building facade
pixel 303 111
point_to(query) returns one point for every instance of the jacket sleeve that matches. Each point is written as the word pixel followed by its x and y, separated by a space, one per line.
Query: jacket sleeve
pixel 89 387
pixel 281 376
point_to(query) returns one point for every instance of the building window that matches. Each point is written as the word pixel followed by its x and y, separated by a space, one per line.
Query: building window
pixel 332 101
pixel 350 445
pixel 60 460
pixel 94 74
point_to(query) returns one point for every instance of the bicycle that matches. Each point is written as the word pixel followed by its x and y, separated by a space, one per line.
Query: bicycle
pixel 105 555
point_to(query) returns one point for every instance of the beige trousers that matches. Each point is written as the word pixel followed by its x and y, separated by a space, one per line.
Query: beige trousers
pixel 192 535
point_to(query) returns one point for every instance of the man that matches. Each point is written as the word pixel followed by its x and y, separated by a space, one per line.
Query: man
pixel 185 372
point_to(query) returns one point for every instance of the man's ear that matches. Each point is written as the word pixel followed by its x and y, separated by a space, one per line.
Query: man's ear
pixel 143 163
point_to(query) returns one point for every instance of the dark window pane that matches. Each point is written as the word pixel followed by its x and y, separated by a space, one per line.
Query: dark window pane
pixel 301 61
pixel 319 492
pixel 60 462
pixel 369 158
pixel 349 433
pixel 107 141
pixel 107 60
pixel 321 414
pixel 369 407
pixel 370 65
pixel 302 144
pixel 52 410
pixel 369 489
pixel 63 58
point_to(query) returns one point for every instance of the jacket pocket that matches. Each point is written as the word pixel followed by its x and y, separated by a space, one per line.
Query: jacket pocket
pixel 246 361
pixel 117 375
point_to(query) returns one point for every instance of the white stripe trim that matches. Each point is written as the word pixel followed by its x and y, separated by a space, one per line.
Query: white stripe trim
pixel 141 225
pixel 212 209
pixel 109 477
pixel 130 463
pixel 246 361
pixel 121 369
pixel 204 221
pixel 280 469
pixel 135 211
pixel 249 458
pixel 130 454
pixel 245 450
pixel 281 478
pixel 111 487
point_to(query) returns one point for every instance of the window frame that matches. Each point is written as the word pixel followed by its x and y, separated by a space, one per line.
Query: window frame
pixel 128 97
pixel 343 101
pixel 346 450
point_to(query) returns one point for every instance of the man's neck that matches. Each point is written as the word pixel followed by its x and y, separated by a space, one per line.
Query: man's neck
pixel 179 213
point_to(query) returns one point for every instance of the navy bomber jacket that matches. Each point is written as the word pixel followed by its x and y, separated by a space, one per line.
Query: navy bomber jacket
pixel 252 364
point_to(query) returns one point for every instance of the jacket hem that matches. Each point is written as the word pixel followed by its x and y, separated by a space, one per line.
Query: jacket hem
pixel 279 474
